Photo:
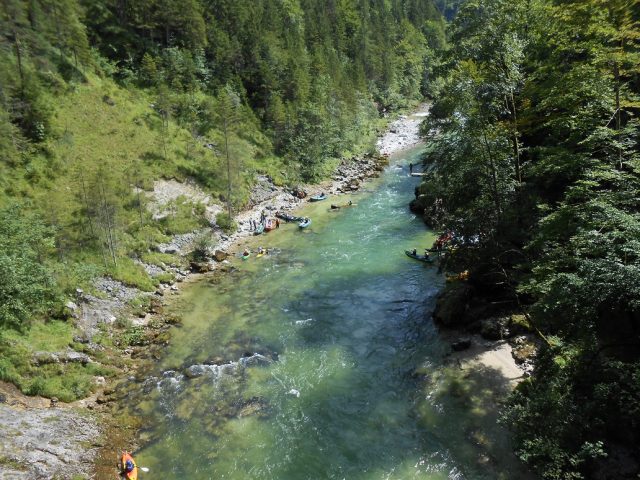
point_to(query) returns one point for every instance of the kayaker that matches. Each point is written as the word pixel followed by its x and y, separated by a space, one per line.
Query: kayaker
pixel 415 252
pixel 129 466
pixel 245 253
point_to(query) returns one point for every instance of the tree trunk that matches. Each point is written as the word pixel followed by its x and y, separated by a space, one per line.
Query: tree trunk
pixel 86 205
pixel 514 133
pixel 16 40
pixel 616 75
pixel 494 175
pixel 226 149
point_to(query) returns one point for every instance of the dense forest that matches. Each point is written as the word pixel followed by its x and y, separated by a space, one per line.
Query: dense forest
pixel 533 144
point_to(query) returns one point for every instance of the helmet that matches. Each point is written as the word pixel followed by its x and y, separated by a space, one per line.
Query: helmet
pixel 128 466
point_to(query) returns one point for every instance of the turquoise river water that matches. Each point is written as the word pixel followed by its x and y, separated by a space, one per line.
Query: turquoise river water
pixel 320 361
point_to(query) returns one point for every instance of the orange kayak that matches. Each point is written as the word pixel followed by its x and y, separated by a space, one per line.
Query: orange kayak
pixel 132 473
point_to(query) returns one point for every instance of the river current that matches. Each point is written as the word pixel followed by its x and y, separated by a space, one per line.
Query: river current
pixel 320 361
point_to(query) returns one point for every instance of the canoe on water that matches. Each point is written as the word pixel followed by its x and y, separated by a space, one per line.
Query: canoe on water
pixel 305 223
pixel 130 473
pixel 317 198
pixel 422 258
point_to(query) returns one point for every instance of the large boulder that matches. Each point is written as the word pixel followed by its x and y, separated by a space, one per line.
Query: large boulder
pixel 200 267
pixel 417 206
pixel 453 305
pixel 220 256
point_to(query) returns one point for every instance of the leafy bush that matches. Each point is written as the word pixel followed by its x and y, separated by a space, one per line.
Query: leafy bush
pixel 226 223
pixel 27 288
pixel 202 247
pixel 134 335
pixel 184 218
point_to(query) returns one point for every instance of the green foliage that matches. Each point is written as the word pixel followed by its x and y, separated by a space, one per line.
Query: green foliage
pixel 133 335
pixel 540 164
pixel 66 381
pixel 226 223
pixel 203 244
pixel 100 99
pixel 132 274
pixel 184 217
pixel 160 259
pixel 27 289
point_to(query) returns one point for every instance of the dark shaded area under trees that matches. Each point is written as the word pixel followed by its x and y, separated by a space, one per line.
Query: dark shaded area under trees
pixel 534 143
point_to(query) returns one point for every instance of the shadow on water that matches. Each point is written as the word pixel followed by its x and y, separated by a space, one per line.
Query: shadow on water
pixel 352 381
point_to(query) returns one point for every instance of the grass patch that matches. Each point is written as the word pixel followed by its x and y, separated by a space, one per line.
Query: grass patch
pixel 139 305
pixel 133 274
pixel 134 335
pixel 160 259
pixel 9 463
pixel 52 336
pixel 66 381
pixel 165 277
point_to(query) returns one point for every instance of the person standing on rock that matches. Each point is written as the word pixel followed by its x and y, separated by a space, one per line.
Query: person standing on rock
pixel 410 168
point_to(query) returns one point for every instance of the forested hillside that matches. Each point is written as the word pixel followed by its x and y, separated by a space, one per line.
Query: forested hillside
pixel 100 98
pixel 534 143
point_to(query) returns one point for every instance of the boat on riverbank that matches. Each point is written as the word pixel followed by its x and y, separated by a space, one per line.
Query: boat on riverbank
pixel 318 198
pixel 416 256
pixel 269 224
pixel 305 223
pixel 259 229
pixel 288 217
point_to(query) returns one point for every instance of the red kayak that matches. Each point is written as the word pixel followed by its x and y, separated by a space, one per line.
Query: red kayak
pixel 269 224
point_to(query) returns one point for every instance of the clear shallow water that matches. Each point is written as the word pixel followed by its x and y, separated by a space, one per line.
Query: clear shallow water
pixel 331 366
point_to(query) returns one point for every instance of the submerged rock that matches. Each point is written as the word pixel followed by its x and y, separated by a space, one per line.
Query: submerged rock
pixel 254 360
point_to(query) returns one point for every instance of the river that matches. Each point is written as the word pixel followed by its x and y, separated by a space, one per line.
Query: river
pixel 320 361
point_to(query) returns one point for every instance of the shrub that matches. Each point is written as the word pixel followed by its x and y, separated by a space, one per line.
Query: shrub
pixel 202 247
pixel 27 288
pixel 226 223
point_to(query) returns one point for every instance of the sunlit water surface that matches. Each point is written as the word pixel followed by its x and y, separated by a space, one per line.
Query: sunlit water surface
pixel 352 380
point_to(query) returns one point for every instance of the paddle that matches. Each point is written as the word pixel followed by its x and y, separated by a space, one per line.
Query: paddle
pixel 144 469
